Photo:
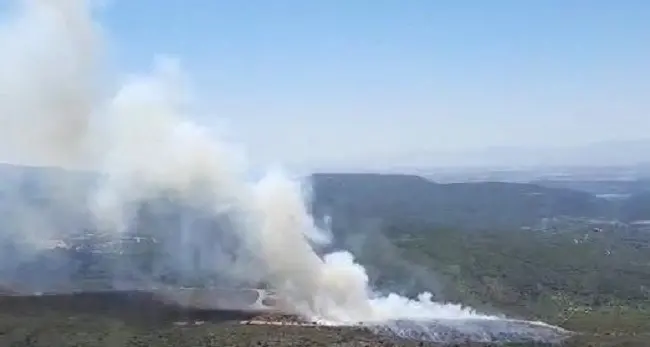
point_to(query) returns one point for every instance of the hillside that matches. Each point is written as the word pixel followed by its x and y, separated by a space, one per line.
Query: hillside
pixel 592 283
pixel 412 199
pixel 462 242
pixel 600 187
pixel 27 192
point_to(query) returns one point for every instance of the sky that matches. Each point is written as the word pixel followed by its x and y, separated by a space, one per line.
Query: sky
pixel 337 82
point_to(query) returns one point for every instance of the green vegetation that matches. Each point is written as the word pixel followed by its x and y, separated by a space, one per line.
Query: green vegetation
pixel 471 243
pixel 587 282
pixel 488 206
pixel 466 243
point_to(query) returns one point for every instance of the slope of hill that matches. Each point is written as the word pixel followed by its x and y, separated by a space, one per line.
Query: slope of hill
pixel 489 205
pixel 636 207
pixel 584 281
pixel 391 198
pixel 600 187
pixel 29 197
pixel 595 284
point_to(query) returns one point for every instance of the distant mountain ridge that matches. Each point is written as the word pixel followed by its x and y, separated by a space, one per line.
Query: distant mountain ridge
pixel 361 205
pixel 394 198
pixel 409 198
pixel 599 187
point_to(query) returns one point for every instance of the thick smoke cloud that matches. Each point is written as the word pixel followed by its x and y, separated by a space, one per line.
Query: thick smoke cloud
pixel 144 166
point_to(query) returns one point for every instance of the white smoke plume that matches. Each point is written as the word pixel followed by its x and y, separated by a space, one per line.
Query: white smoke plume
pixel 143 142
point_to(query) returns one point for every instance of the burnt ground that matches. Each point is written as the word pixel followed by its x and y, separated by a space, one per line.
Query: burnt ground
pixel 138 319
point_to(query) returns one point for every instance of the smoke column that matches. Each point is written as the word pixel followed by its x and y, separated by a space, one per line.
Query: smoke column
pixel 55 110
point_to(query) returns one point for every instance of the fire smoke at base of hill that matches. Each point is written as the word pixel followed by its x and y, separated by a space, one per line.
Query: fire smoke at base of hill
pixel 143 142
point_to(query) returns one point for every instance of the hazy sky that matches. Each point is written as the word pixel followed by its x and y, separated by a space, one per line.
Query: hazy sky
pixel 337 80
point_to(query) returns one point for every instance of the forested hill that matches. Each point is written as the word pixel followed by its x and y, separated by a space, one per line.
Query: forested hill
pixel 483 205
pixel 391 198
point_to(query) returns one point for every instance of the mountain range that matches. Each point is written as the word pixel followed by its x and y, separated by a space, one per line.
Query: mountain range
pixel 358 206
pixel 474 205
pixel 389 198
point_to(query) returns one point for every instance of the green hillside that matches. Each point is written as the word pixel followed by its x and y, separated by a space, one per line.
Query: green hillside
pixel 584 282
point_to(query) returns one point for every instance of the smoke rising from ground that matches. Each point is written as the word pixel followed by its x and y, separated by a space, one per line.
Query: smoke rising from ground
pixel 144 145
